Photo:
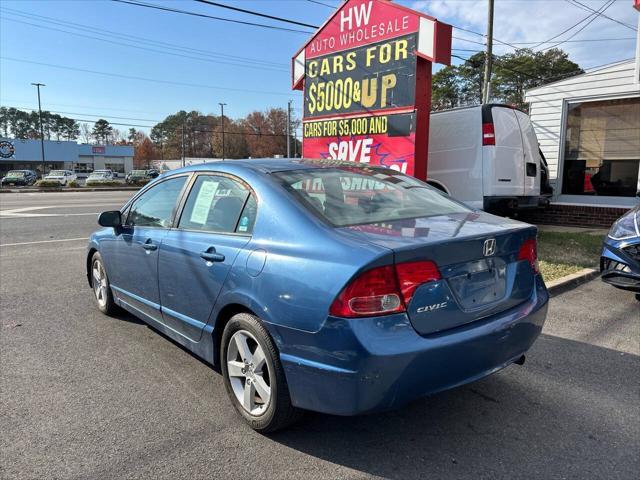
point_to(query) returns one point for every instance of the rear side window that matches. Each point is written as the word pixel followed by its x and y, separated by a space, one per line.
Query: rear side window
pixel 217 204
pixel 350 196
pixel 155 207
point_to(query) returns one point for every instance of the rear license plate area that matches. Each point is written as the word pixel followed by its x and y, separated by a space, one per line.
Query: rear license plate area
pixel 483 283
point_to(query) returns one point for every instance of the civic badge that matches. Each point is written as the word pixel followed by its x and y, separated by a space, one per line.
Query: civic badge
pixel 489 247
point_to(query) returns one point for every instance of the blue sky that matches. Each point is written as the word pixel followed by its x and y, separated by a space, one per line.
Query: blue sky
pixel 246 67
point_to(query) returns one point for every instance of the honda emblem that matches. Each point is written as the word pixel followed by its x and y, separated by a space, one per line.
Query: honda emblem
pixel 489 247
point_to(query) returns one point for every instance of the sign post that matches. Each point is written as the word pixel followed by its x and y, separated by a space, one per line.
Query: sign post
pixel 366 77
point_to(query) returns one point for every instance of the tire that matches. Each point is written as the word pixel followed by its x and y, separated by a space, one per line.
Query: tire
pixel 264 415
pixel 102 295
pixel 638 296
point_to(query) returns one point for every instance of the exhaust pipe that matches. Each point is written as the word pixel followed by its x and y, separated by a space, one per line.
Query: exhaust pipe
pixel 520 360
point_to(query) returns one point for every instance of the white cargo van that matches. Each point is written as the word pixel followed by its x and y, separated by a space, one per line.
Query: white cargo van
pixel 488 157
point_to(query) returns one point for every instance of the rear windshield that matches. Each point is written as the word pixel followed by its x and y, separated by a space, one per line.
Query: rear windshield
pixel 138 172
pixel 56 173
pixel 15 174
pixel 350 196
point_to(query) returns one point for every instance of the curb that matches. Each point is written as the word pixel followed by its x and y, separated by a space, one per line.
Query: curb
pixel 67 189
pixel 569 282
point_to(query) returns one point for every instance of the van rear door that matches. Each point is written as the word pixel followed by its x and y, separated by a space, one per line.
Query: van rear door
pixel 508 154
pixel 531 152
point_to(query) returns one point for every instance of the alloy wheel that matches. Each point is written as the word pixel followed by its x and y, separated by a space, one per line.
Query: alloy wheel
pixel 99 283
pixel 249 372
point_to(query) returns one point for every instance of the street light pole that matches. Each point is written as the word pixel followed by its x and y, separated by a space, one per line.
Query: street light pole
pixel 222 123
pixel 38 85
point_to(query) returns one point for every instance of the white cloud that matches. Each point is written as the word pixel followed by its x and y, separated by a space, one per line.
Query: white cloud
pixel 539 20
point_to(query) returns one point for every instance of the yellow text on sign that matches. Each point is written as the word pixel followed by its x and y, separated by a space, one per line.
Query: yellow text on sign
pixel 342 93
pixel 346 62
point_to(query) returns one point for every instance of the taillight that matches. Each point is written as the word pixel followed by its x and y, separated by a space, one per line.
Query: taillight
pixel 529 252
pixel 488 134
pixel 383 290
pixel 413 274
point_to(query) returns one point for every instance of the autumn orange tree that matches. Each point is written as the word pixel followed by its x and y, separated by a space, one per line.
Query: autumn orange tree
pixel 144 152
pixel 266 133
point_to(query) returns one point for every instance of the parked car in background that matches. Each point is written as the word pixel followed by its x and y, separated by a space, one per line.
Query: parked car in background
pixel 100 176
pixel 335 287
pixel 139 176
pixel 620 259
pixel 20 178
pixel 61 176
pixel 488 157
pixel 153 172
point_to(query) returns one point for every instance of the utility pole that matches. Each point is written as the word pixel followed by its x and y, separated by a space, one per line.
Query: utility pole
pixel 486 94
pixel 38 85
pixel 222 124
pixel 289 129
pixel 183 142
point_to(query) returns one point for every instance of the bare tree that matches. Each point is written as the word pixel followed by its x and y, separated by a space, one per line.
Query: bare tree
pixel 85 133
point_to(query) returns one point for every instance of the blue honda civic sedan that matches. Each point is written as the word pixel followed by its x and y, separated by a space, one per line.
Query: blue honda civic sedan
pixel 312 285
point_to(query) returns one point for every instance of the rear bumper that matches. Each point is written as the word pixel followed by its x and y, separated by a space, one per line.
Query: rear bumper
pixel 619 268
pixel 363 365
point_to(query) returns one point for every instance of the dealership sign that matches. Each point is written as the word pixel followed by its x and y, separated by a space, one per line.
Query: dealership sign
pixel 366 76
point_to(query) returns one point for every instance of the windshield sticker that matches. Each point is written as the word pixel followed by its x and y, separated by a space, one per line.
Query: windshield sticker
pixel 200 212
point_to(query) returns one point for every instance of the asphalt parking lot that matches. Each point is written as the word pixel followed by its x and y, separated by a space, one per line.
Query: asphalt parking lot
pixel 87 396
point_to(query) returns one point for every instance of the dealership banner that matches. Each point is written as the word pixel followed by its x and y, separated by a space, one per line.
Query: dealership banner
pixel 374 77
pixel 366 77
pixel 387 140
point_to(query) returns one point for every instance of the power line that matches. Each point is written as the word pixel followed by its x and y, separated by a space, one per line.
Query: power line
pixel 256 14
pixel 579 41
pixel 162 52
pixel 127 37
pixel 467 40
pixel 198 128
pixel 602 9
pixel 584 19
pixel 202 15
pixel 323 4
pixel 145 79
pixel 92 115
pixel 589 9
pixel 82 106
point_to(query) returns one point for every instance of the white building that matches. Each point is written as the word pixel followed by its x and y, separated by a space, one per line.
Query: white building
pixel 82 158
pixel 588 127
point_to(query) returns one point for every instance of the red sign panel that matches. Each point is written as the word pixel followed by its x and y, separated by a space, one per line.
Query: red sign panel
pixel 97 150
pixel 366 76
pixel 361 22
pixel 386 140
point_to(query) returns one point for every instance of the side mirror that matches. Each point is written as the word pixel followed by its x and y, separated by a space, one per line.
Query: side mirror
pixel 112 218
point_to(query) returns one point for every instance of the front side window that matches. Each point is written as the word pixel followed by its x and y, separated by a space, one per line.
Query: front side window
pixel 215 204
pixel 155 207
pixel 350 196
pixel 602 148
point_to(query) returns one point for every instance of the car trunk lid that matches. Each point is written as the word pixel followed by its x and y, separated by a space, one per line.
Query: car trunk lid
pixel 477 256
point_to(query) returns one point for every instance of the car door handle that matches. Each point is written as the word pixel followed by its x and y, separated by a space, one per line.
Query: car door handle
pixel 210 255
pixel 149 246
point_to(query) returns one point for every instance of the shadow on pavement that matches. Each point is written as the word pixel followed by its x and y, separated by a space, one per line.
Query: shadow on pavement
pixel 571 411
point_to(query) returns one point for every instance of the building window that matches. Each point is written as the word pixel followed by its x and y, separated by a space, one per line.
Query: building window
pixel 115 167
pixel 602 148
pixel 83 167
